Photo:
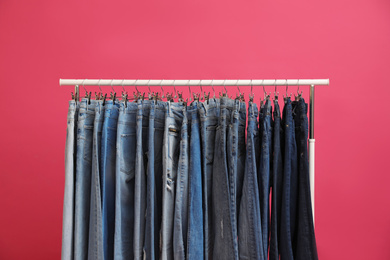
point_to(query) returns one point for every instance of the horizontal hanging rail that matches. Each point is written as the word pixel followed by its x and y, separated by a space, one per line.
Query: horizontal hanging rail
pixel 194 82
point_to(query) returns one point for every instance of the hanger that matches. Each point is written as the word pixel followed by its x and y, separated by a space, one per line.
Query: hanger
pixel 162 90
pixel 87 95
pixel 287 96
pixel 299 95
pixel 112 95
pixel 276 94
pixel 212 86
pixel 251 96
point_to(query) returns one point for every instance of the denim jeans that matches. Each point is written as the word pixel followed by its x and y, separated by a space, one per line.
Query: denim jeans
pixel 180 225
pixel 277 184
pixel 95 247
pixel 195 215
pixel 154 180
pixel 140 177
pixel 108 158
pixel 70 169
pixel 249 227
pixel 264 172
pixel 83 177
pixel 223 190
pixel 125 175
pixel 286 251
pixel 171 151
pixel 209 114
pixel 305 245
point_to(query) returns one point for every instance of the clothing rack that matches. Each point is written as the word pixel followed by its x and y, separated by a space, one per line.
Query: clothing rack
pixel 214 82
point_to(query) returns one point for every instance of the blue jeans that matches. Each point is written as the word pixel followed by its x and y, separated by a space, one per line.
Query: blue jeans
pixel 140 176
pixel 209 114
pixel 171 151
pixel 305 245
pixel 264 172
pixel 154 180
pixel 195 212
pixel 108 158
pixel 249 228
pixel 70 169
pixel 83 177
pixel 95 247
pixel 180 225
pixel 277 185
pixel 125 174
pixel 223 190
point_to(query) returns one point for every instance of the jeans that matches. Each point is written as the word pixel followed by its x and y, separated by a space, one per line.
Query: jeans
pixel 171 151
pixel 83 177
pixel 154 180
pixel 209 114
pixel 249 227
pixel 223 190
pixel 195 215
pixel 180 225
pixel 286 252
pixel 277 185
pixel 305 243
pixel 140 176
pixel 264 173
pixel 125 175
pixel 70 169
pixel 95 247
pixel 108 158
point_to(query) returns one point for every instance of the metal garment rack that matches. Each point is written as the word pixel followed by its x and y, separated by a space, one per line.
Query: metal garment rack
pixel 214 82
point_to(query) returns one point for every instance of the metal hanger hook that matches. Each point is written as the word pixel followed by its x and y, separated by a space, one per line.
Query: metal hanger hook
pixel 224 86
pixel 149 86
pixel 174 88
pixel 239 91
pixel 83 85
pixel 212 86
pixel 99 86
pixel 135 85
pixel 162 90
pixel 298 86
pixel 124 91
pixel 251 88
pixel 113 90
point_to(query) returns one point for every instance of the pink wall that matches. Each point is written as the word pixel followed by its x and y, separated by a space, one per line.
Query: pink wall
pixel 346 41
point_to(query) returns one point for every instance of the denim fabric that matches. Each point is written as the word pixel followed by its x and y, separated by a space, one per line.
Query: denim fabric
pixel 239 122
pixel 224 217
pixel 140 177
pixel 70 169
pixel 171 151
pixel 180 224
pixel 154 180
pixel 195 216
pixel 264 173
pixel 293 182
pixel 125 174
pixel 95 247
pixel 83 177
pixel 209 114
pixel 249 228
pixel 305 240
pixel 108 173
pixel 286 252
pixel 277 185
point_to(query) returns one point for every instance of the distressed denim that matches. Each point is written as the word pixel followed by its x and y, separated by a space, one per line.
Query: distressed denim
pixel 224 218
pixel 95 247
pixel 180 224
pixel 140 176
pixel 305 245
pixel 108 173
pixel 125 175
pixel 264 173
pixel 195 216
pixel 70 170
pixel 249 228
pixel 277 184
pixel 154 180
pixel 83 177
pixel 171 151
pixel 209 114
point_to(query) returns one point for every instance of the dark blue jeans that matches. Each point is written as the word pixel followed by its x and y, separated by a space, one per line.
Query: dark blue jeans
pixel 95 247
pixel 83 177
pixel 108 158
pixel 154 180
pixel 125 175
pixel 305 244
pixel 264 172
pixel 277 184
pixel 209 114
pixel 249 228
pixel 195 211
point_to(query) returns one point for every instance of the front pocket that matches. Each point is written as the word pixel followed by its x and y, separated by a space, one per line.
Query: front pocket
pixel 127 154
pixel 88 136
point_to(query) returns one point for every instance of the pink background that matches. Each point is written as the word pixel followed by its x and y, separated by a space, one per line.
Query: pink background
pixel 346 41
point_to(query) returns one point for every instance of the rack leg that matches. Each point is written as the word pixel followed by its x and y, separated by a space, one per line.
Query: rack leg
pixel 312 148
